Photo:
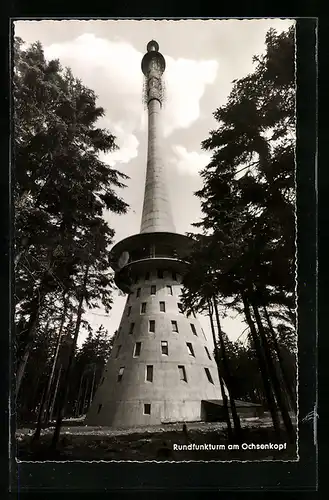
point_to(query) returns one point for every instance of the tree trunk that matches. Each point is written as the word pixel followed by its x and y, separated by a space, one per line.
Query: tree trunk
pixel 31 327
pixel 274 379
pixel 85 397
pixel 77 411
pixel 46 395
pixel 92 387
pixel 52 406
pixel 236 419
pixel 262 366
pixel 290 390
pixel 64 394
pixel 221 382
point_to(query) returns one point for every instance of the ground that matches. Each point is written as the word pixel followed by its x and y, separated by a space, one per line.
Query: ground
pixel 79 442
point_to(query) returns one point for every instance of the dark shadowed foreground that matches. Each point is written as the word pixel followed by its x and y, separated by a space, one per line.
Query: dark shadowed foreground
pixel 79 442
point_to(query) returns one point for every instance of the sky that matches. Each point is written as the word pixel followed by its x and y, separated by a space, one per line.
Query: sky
pixel 203 57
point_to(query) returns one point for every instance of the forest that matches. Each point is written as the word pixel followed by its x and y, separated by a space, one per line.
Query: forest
pixel 243 257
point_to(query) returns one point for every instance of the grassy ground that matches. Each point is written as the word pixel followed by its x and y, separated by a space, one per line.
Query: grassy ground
pixel 79 442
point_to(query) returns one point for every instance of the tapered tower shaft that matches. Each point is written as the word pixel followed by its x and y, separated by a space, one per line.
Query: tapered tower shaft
pixel 157 215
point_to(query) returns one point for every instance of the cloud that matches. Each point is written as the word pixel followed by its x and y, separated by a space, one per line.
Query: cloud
pixel 113 70
pixel 186 81
pixel 127 143
pixel 189 162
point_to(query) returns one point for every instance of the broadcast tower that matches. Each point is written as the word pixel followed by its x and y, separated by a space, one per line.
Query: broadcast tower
pixel 161 368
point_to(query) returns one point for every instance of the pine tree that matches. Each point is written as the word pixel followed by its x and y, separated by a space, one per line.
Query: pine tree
pixel 62 190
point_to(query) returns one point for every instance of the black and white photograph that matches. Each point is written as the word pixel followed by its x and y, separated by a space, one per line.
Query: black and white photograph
pixel 155 259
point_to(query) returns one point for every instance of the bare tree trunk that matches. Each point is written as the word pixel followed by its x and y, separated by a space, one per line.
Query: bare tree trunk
pixel 221 382
pixel 262 366
pixel 51 409
pixel 46 395
pixel 236 419
pixel 85 397
pixel 289 388
pixel 92 387
pixel 77 410
pixel 31 327
pixel 63 396
pixel 273 375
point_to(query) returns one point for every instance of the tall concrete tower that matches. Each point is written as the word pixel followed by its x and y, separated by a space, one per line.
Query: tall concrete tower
pixel 161 368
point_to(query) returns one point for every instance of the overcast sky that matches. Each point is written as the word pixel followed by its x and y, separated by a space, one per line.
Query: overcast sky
pixel 203 58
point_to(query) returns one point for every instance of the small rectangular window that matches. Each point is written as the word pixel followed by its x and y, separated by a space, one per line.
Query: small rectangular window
pixel 180 307
pixel 190 349
pixel 209 377
pixel 128 298
pixel 120 374
pixel 174 276
pixel 137 349
pixel 164 347
pixel 169 289
pixel 152 325
pixel 204 333
pixel 153 289
pixel 147 409
pixel 143 308
pixel 129 311
pixel 118 350
pixel 162 306
pixel 149 373
pixel 207 352
pixel 138 293
pixel 160 274
pixel 182 373
pixel 99 408
pixel 132 326
pixel 193 329
pixel 147 276
pixel 174 326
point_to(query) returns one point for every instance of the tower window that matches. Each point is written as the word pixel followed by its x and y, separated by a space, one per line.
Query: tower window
pixel 138 293
pixel 190 349
pixel 180 307
pixel 204 333
pixel 118 350
pixel 129 311
pixel 120 374
pixel 160 274
pixel 149 373
pixel 164 347
pixel 162 307
pixel 174 276
pixel 207 352
pixel 193 329
pixel 99 408
pixel 209 377
pixel 137 349
pixel 169 289
pixel 147 276
pixel 152 325
pixel 143 308
pixel 182 373
pixel 147 409
pixel 174 326
pixel 153 289
pixel 131 330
